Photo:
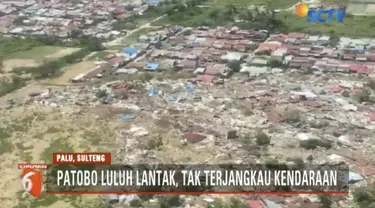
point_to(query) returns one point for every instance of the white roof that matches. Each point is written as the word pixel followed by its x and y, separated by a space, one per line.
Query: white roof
pixel 78 77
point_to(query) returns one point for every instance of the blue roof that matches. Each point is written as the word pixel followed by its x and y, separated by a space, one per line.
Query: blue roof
pixel 152 66
pixel 353 176
pixel 130 51
pixel 124 4
pixel 153 2
pixel 271 204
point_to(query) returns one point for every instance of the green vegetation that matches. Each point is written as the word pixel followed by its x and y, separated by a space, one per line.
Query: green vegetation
pixel 126 24
pixel 44 201
pixel 315 143
pixel 246 3
pixel 35 48
pixel 98 56
pixel 133 38
pixel 36 53
pixel 353 26
pixel 52 68
pixel 222 13
pixel 48 200
pixel 331 2
pixel 101 93
pixel 7 87
pixel 262 139
pixel 58 145
pixel 234 203
pixel 363 96
pixel 365 197
pixel 292 116
pixel 234 65
pixel 9 46
pixel 93 137
pixel 170 201
pixel 326 201
pixel 5 145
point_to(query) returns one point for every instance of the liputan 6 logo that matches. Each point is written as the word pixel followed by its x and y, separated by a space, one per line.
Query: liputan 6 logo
pixel 32 181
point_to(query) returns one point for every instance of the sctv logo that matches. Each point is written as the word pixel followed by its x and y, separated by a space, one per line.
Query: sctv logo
pixel 320 15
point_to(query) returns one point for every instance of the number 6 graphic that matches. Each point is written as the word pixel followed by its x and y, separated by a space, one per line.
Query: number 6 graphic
pixel 27 182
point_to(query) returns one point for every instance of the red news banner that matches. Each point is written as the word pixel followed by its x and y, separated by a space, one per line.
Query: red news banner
pixel 82 158
pixel 178 178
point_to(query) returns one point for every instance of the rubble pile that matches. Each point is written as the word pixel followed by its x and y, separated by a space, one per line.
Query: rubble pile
pixel 335 111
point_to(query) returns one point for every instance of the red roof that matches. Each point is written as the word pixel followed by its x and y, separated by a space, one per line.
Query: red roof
pixel 267 47
pixel 205 78
pixel 296 35
pixel 337 89
pixel 256 204
pixel 356 91
pixel 215 69
pixel 116 60
pixel 193 137
pixel 365 171
pixel 357 67
pixel 372 116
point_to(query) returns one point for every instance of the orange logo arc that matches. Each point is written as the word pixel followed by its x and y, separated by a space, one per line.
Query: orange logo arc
pixel 302 9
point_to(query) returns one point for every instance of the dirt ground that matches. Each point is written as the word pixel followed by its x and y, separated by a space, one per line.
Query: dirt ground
pixel 10 64
pixel 21 94
pixel 28 60
pixel 61 53
pixel 71 72
pixel 33 133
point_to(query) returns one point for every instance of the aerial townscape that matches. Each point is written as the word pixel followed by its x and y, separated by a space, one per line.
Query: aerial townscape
pixel 188 81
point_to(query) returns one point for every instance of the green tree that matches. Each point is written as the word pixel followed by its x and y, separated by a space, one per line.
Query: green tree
pixel 235 65
pixel 363 197
pixel 170 201
pixel 76 33
pixel 326 201
pixel 181 8
pixel 101 93
pixel 262 139
pixel 95 44
pixel 231 9
pixel 214 14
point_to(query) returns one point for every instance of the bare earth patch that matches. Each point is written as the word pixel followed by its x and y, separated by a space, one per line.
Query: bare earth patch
pixel 72 71
pixel 61 53
pixel 10 64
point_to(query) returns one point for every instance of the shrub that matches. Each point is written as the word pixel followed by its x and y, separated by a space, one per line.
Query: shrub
pixel 318 124
pixel 170 201
pixel 326 201
pixel 298 163
pixel 314 143
pixel 154 142
pixel 52 68
pixel 276 64
pixel 363 197
pixel 363 96
pixel 371 84
pixel 345 94
pixel 136 203
pixel 15 84
pixel 262 139
pixel 101 94
pixel 234 65
pixel 292 116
